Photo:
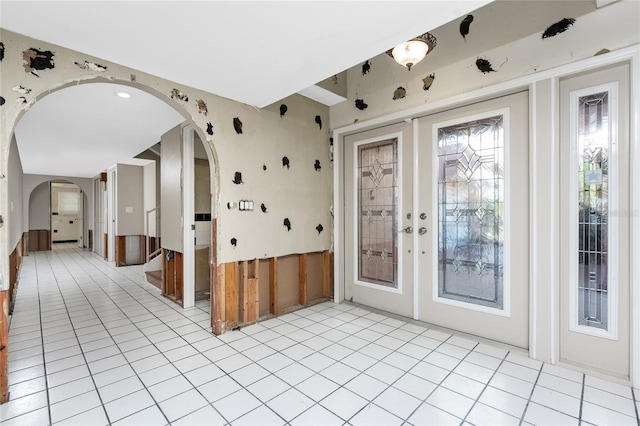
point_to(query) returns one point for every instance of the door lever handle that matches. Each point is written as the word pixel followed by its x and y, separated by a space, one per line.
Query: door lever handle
pixel 408 230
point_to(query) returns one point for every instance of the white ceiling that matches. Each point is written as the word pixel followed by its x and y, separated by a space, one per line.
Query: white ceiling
pixel 255 52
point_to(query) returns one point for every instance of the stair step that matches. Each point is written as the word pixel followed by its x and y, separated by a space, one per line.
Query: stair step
pixel 154 277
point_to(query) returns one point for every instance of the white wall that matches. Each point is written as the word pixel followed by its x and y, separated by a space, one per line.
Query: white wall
pixel 130 200
pixel 39 205
pixel 171 190
pixel 15 217
pixel 149 180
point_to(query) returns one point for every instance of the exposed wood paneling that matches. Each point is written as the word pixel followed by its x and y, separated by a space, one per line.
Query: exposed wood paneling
pixel 288 282
pixel 39 240
pixel 121 250
pixel 302 279
pixel 327 272
pixel 273 285
pixel 90 237
pixel 263 291
pixel 179 277
pixel 231 295
pixel 243 291
pixel 218 302
pixel 217 318
pixel 4 350
pixel 105 242
pixel 314 276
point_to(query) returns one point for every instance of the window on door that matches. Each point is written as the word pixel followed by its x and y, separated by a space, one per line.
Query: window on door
pixel 471 211
pixel 377 185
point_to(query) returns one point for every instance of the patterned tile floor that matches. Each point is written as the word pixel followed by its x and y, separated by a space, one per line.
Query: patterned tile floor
pixel 93 344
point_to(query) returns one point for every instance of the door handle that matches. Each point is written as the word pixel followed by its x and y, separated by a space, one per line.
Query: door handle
pixel 408 230
pixel 422 231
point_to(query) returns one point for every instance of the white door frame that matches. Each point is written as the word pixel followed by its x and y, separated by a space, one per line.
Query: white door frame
pixel 111 213
pixel 544 94
pixel 188 219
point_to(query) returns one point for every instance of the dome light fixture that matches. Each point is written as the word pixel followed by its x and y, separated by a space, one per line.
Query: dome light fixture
pixel 413 51
pixel 123 95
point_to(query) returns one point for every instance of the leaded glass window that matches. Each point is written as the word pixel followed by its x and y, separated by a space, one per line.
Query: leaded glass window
pixel 377 208
pixel 471 211
pixel 593 209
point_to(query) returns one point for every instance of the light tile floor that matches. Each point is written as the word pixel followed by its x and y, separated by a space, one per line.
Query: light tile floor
pixel 93 344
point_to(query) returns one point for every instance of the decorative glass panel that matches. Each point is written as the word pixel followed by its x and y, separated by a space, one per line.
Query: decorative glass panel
pixel 593 213
pixel 377 206
pixel 471 212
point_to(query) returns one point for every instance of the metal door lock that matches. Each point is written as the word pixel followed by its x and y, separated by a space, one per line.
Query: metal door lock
pixel 408 230
pixel 423 216
pixel 422 231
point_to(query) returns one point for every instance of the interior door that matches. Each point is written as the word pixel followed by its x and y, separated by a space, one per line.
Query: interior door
pixel 595 246
pixel 378 223
pixel 473 219
pixel 97 221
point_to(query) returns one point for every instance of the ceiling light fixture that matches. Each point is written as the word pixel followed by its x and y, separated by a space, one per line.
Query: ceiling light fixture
pixel 413 51
pixel 123 95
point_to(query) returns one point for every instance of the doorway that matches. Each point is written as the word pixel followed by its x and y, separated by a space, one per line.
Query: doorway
pixel 436 218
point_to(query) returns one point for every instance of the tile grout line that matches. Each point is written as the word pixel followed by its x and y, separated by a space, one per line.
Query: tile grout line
pixel 581 399
pixel 526 407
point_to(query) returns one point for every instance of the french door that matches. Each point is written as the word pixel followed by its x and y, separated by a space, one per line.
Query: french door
pixel 594 221
pixel 378 222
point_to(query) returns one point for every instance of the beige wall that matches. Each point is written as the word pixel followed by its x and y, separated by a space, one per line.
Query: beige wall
pixel 15 216
pixel 39 204
pixel 130 200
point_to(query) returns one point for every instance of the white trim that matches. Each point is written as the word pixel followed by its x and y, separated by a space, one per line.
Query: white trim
pixel 613 220
pixel 506 281
pixel 533 231
pixel 188 212
pixel 355 220
pixel 635 218
pixel 416 224
pixel 554 310
pixel 338 231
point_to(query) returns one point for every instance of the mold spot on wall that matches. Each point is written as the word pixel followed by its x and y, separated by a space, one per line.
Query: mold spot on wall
pixel 37 60
pixel 366 67
pixel 202 107
pixel 264 167
pixel 484 66
pixel 86 65
pixel 319 121
pixel 237 125
pixel 428 81
pixel 601 52
pixel 177 94
pixel 237 178
pixel 557 28
pixel 361 105
pixel 319 228
pixel 1 51
pixel 285 162
pixel 283 110
pixel 234 242
pixel 287 224
pixel 21 100
pixel 21 89
pixel 263 208
pixel 399 93
pixel 464 26
pixel 317 165
pixel 2 101
pixel 210 129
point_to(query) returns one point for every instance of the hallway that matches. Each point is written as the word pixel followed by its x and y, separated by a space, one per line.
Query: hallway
pixel 94 344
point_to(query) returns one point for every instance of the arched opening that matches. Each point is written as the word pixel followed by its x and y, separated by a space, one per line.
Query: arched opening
pixel 95 204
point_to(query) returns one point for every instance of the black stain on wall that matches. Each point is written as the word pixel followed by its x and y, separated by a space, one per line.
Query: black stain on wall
pixel 263 208
pixel 484 66
pixel 86 65
pixel 464 26
pixel 237 125
pixel 21 100
pixel 283 110
pixel 1 51
pixel 428 81
pixel 557 28
pixel 234 242
pixel 37 60
pixel 317 165
pixel 264 167
pixel 366 67
pixel 202 107
pixel 177 94
pixel 399 93
pixel 285 162
pixel 319 228
pixel 319 121
pixel 237 178
pixel 210 129
pixel 2 101
pixel 361 105
pixel 287 224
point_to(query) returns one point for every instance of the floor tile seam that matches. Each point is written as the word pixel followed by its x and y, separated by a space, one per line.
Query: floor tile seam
pixel 438 385
pixel 486 385
pixel 529 401
pixel 636 404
